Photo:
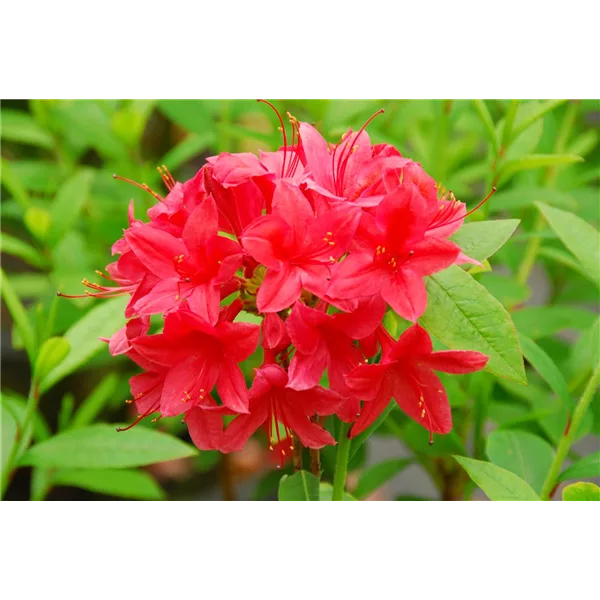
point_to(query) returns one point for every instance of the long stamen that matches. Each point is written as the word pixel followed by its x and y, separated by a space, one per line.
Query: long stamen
pixel 473 209
pixel 282 131
pixel 344 161
pixel 165 178
pixel 152 409
pixel 142 186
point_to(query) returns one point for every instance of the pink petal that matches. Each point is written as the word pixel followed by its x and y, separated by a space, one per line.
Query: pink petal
pixel 232 387
pixel 455 361
pixel 156 249
pixel 279 289
pixel 406 294
pixel 306 369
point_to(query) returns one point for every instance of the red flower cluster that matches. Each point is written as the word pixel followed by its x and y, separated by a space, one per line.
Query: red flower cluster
pixel 317 239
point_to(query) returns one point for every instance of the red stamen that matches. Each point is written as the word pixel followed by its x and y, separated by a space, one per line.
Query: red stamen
pixel 142 186
pixel 282 131
pixel 152 409
pixel 343 162
pixel 473 209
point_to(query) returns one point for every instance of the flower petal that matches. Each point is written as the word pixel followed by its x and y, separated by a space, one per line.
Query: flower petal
pixel 232 387
pixel 186 384
pixel 432 255
pixel 279 289
pixel 406 294
pixel 201 225
pixel 238 432
pixel 311 435
pixel 306 369
pixel 455 361
pixel 156 249
pixel 205 428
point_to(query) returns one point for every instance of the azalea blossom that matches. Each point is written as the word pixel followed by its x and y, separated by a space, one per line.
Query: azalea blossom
pixel 406 373
pixel 312 243
pixel 272 404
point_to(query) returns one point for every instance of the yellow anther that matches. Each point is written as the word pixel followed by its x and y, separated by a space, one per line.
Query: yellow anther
pixel 128 401
pixel 270 447
pixel 176 296
pixel 283 452
pixel 423 414
pixel 291 447
pixel 331 243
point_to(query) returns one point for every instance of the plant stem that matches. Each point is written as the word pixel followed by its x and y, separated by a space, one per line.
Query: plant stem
pixel 315 458
pixel 341 462
pixel 570 432
pixel 533 246
pixel 296 453
pixel 227 482
pixel 23 437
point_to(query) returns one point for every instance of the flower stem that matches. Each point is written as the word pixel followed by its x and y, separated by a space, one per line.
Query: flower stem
pixel 341 462
pixel 23 438
pixel 296 453
pixel 570 432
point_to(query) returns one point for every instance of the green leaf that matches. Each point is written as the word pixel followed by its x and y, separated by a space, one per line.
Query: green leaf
pixel 577 492
pixel 585 468
pixel 9 434
pixel 546 368
pixel 22 250
pixel 101 447
pixel 51 354
pixel 579 237
pixel 498 484
pixel 484 114
pixel 66 411
pixel 376 476
pixel 90 408
pixel 19 126
pixel 300 486
pixel 68 203
pixel 326 493
pixel 18 314
pixel 361 438
pixel 112 482
pixel 101 321
pixel 39 175
pixel 193 145
pixel 544 321
pixel 481 239
pixel 463 315
pixel 536 114
pixel 521 453
pixel 535 161
pixel 508 291
pixel 189 114
pixel 562 257
pixel 38 222
pixel 13 184
pixel 524 196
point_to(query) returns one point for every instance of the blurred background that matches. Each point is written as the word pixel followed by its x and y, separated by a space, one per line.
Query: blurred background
pixel 62 210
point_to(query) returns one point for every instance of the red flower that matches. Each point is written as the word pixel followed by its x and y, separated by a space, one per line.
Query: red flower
pixel 272 403
pixel 204 421
pixel 406 373
pixel 394 255
pixel 198 356
pixel 296 246
pixel 351 170
pixel 327 341
pixel 192 268
pixel 241 186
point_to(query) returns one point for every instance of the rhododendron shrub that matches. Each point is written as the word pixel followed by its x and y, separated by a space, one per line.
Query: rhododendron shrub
pixel 275 310
pixel 318 240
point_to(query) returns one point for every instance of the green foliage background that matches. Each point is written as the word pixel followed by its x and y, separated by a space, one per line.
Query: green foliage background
pixel 61 211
